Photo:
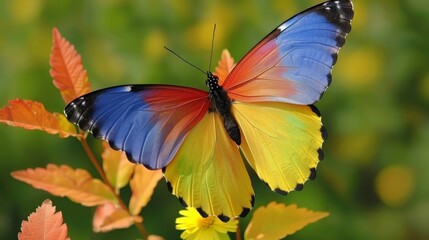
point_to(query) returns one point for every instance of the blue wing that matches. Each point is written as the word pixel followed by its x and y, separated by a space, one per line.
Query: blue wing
pixel 148 122
pixel 293 63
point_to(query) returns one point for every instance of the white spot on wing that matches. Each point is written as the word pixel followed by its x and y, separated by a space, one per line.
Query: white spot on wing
pixel 282 27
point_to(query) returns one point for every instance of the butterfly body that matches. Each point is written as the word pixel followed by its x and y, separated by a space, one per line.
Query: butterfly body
pixel 261 109
pixel 221 103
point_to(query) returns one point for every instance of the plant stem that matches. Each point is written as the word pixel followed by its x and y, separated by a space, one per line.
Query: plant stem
pixel 103 176
pixel 238 232
pixel 95 162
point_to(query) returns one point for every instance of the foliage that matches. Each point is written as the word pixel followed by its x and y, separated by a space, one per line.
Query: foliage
pixel 291 218
pixel 32 115
pixel 44 224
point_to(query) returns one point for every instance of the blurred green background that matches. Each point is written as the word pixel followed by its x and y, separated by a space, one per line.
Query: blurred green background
pixel 375 177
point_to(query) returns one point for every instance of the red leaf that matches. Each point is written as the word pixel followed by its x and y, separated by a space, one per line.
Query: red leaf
pixel 44 224
pixel 109 216
pixel 66 69
pixel 33 115
pixel 142 185
pixel 76 184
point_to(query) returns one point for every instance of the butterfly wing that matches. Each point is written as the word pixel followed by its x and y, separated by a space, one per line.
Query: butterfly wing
pixel 273 85
pixel 208 173
pixel 282 142
pixel 293 63
pixel 148 122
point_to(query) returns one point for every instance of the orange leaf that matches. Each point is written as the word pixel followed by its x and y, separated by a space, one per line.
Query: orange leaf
pixel 277 220
pixel 66 69
pixel 155 237
pixel 63 181
pixel 142 185
pixel 116 166
pixel 108 217
pixel 44 224
pixel 33 115
pixel 225 65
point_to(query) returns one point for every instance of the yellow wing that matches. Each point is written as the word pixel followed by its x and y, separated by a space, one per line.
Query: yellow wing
pixel 281 141
pixel 208 173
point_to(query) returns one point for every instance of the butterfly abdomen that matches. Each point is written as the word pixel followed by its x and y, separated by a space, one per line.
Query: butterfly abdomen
pixel 231 127
pixel 221 103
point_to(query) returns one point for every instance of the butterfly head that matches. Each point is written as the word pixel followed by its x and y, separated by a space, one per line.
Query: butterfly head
pixel 212 81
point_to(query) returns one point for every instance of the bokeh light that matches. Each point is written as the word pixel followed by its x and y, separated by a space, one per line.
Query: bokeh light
pixel 395 185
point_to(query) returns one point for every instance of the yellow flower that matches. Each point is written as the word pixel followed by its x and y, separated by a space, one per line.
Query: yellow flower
pixel 197 227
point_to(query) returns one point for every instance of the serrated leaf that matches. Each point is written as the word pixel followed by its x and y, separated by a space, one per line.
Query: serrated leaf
pixel 116 166
pixel 276 221
pixel 108 217
pixel 33 115
pixel 66 69
pixel 225 65
pixel 76 184
pixel 142 185
pixel 44 224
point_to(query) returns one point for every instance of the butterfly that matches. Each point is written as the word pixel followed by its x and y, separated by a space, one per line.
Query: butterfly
pixel 263 110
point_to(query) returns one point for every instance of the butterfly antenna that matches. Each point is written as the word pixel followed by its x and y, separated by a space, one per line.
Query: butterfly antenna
pixel 186 61
pixel 211 50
